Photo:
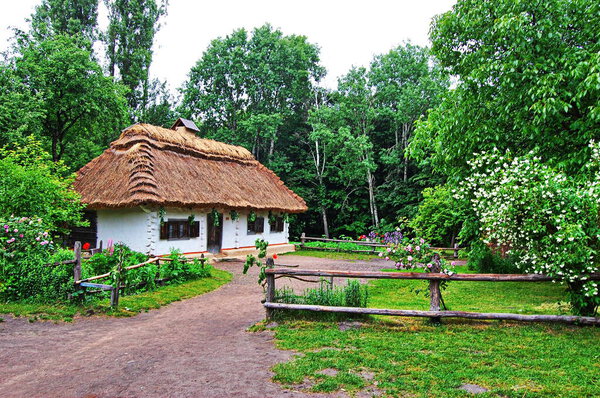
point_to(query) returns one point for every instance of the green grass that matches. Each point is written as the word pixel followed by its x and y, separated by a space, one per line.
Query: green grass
pixel 332 255
pixel 413 358
pixel 128 305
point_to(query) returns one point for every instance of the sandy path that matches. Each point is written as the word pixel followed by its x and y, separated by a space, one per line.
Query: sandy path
pixel 194 348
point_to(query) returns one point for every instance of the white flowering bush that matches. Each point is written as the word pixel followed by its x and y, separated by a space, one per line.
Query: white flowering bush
pixel 548 221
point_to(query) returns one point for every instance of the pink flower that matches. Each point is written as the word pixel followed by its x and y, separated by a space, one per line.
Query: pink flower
pixel 422 241
pixel 418 248
pixel 387 258
pixel 429 265
pixel 409 248
pixel 38 238
pixel 409 258
pixel 16 230
pixel 20 235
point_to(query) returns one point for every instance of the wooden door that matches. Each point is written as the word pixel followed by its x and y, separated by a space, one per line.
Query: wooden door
pixel 214 232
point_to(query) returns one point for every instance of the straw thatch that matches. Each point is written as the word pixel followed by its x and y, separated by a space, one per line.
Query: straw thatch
pixel 151 165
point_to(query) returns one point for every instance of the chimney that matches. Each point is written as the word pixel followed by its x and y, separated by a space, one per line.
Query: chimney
pixel 185 125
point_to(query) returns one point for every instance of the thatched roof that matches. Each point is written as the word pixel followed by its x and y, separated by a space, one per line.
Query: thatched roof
pixel 151 165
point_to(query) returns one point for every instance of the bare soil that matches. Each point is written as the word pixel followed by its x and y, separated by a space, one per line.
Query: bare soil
pixel 195 348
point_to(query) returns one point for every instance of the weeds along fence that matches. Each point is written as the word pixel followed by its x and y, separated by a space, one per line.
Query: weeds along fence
pixel 434 278
pixel 81 285
pixel 373 246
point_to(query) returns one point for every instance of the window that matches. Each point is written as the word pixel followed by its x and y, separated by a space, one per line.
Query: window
pixel 276 224
pixel 179 229
pixel 257 226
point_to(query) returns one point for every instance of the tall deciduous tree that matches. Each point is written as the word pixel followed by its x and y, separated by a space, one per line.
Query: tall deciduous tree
pixel 528 78
pixel 246 89
pixel 80 107
pixel 67 17
pixel 129 38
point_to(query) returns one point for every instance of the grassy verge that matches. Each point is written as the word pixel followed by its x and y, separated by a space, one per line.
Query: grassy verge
pixel 332 255
pixel 128 305
pixel 410 357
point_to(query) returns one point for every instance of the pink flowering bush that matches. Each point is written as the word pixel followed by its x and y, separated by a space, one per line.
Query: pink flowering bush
pixel 25 247
pixel 414 253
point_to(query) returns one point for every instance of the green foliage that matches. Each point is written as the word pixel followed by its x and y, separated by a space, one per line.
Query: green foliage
pixel 354 294
pixel 129 38
pixel 31 185
pixel 108 259
pixel 526 71
pixel 483 260
pixel 79 108
pixel 440 216
pixel 25 248
pixel 68 17
pixel 548 219
pixel 251 260
pixel 181 269
pixel 248 88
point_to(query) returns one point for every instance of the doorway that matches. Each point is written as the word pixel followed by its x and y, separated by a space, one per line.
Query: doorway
pixel 214 232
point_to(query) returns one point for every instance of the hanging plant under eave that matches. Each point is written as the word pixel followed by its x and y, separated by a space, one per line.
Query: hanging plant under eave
pixel 161 215
pixel 234 215
pixel 191 219
pixel 215 216
pixel 252 216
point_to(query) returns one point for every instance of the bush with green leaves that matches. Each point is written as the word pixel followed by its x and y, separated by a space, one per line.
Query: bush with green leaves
pixel 354 294
pixel 180 269
pixel 32 185
pixel 26 249
pixel 548 219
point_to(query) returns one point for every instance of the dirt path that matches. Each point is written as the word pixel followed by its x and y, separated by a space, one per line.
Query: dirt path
pixel 194 348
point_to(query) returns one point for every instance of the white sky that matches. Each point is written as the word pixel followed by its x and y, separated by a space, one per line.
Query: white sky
pixel 348 32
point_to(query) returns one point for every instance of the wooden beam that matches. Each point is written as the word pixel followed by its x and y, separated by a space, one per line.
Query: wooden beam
pixel 583 320
pixel 97 285
pixel 418 275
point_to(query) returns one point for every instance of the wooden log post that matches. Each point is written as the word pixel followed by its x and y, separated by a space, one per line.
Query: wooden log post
pixel 270 294
pixel 456 250
pixel 77 270
pixel 302 240
pixel 435 295
pixel 114 293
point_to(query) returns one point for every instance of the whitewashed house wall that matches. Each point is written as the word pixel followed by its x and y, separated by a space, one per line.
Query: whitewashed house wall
pixel 139 228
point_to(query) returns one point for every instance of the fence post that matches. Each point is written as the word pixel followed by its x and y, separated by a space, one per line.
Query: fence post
pixel 302 238
pixel 114 293
pixel 434 289
pixel 270 297
pixel 77 266
pixel 456 250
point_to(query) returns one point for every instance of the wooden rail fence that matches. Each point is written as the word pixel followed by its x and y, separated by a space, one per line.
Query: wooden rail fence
pixel 88 282
pixel 373 245
pixel 434 279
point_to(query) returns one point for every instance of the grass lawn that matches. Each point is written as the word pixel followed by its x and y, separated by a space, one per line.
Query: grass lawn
pixel 410 357
pixel 128 305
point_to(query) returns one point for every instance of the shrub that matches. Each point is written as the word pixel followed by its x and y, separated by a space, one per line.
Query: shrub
pixel 483 260
pixel 548 219
pixel 25 249
pixel 354 294
pixel 180 269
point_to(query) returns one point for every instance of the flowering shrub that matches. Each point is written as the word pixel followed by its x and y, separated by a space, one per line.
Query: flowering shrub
pixel 546 219
pixel 25 248
pixel 415 253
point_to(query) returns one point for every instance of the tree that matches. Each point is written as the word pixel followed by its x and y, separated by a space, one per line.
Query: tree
pixel 129 38
pixel 32 185
pixel 527 78
pixel 80 107
pixel 247 89
pixel 407 83
pixel 20 112
pixel 66 17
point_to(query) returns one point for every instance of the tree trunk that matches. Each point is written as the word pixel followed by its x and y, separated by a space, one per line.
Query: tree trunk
pixel 271 147
pixel 372 204
pixel 405 129
pixel 325 224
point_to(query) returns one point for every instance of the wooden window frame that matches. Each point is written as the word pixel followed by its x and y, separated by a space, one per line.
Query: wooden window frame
pixel 277 225
pixel 179 229
pixel 256 227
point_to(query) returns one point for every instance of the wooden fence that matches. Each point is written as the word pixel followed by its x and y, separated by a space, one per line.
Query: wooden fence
pixel 434 279
pixel 87 282
pixel 373 245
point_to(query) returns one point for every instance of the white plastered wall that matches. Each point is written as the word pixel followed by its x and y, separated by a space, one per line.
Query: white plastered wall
pixel 129 226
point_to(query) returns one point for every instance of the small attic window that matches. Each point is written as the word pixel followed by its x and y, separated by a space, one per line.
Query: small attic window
pixel 188 124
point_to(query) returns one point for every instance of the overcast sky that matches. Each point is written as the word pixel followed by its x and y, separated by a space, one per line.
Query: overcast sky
pixel 348 32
